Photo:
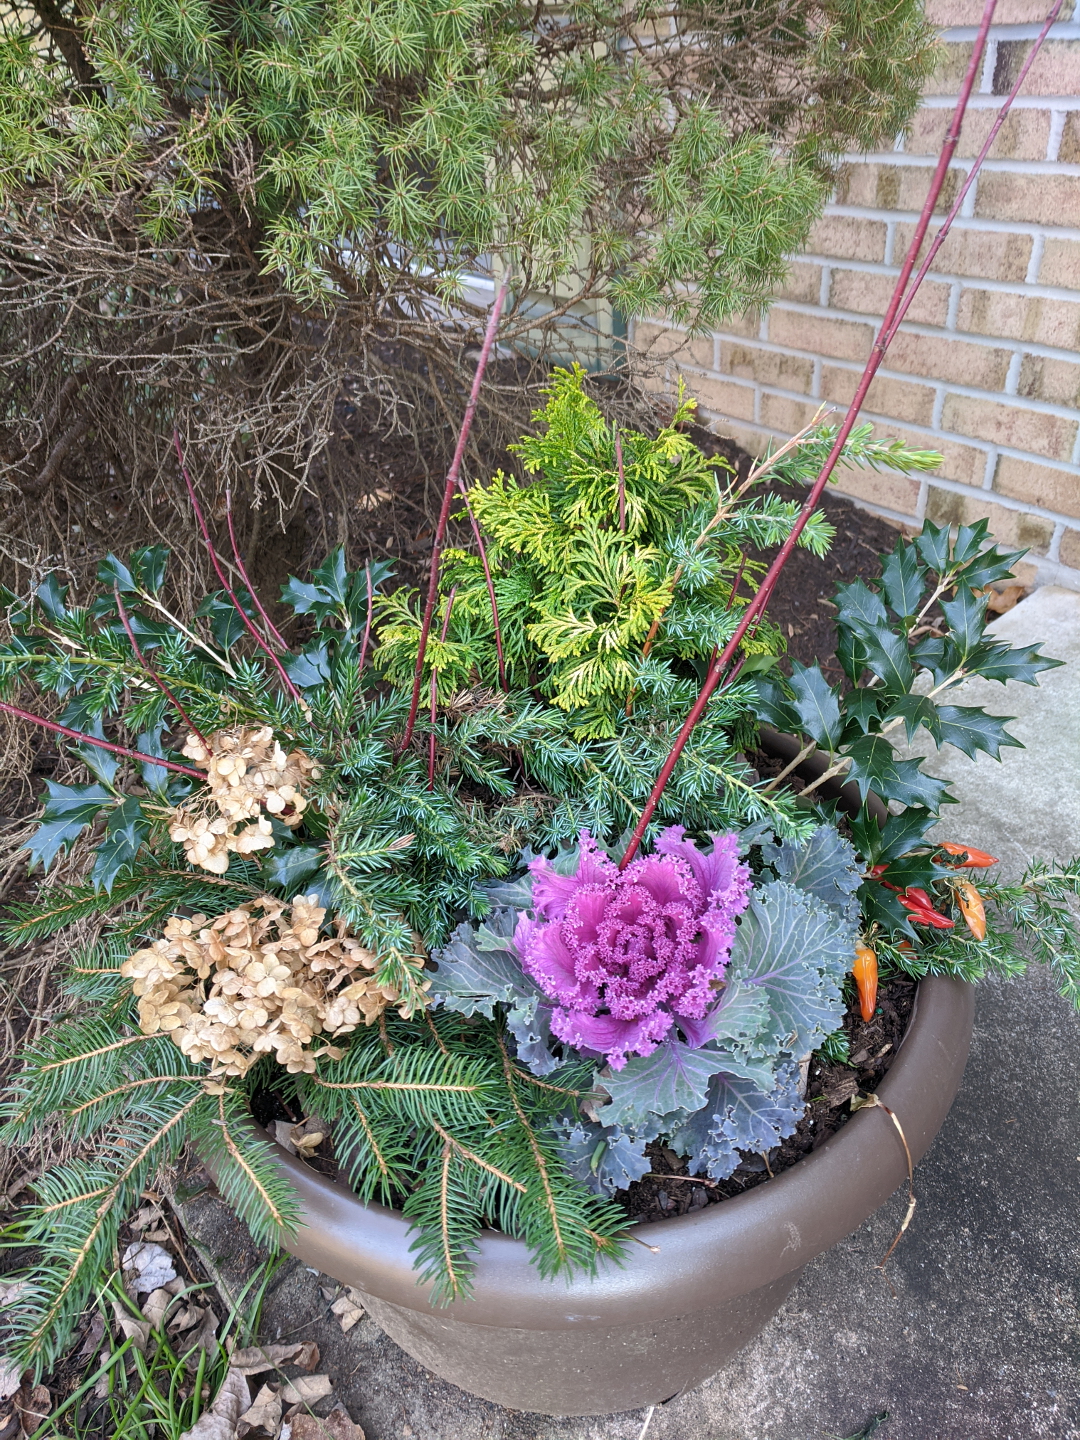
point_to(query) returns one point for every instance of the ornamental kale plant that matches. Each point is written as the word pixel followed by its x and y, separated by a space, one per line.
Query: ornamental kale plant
pixel 413 921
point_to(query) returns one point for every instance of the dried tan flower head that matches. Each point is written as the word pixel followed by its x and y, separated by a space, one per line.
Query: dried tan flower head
pixel 252 981
pixel 247 772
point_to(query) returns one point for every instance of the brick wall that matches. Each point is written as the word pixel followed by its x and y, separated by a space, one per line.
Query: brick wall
pixel 986 369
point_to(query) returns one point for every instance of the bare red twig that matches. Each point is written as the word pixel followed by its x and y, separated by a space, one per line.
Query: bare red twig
pixel 435 693
pixel 720 665
pixel 205 532
pixel 155 677
pixel 85 739
pixel 239 560
pixel 448 495
pixel 479 538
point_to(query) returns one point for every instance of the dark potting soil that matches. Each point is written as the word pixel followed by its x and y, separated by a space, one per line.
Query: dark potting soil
pixel 670 1189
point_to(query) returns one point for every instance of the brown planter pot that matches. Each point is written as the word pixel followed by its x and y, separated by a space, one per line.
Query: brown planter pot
pixel 662 1323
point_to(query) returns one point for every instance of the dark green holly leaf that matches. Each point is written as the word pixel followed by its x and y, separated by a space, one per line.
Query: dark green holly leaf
pixel 287 869
pixel 51 595
pixel 148 567
pixel 887 656
pixel 858 605
pixel 816 704
pixel 903 580
pixel 861 711
pixel 930 652
pixel 332 576
pixel 155 777
pixel 904 831
pixel 914 868
pixel 773 706
pixel 991 565
pixel 933 545
pixel 68 810
pixel 310 668
pixel 966 614
pixel 850 653
pixel 125 831
pixel 880 906
pixel 996 660
pixel 915 711
pixel 970 729
pixel 225 622
pixel 374 574
pixel 970 539
pixel 875 767
pixel 113 572
pixel 866 835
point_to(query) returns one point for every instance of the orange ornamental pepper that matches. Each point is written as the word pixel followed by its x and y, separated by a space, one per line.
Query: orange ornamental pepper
pixel 976 859
pixel 972 909
pixel 865 972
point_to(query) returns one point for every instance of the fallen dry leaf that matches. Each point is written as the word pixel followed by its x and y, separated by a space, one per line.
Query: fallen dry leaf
pixel 220 1421
pixel 33 1405
pixel 185 1318
pixel 263 1414
pixel 10 1292
pixel 335 1426
pixel 155 1307
pixel 10 1379
pixel 256 1358
pixel 348 1309
pixel 137 1331
pixel 146 1267
pixel 306 1389
pixel 94 1335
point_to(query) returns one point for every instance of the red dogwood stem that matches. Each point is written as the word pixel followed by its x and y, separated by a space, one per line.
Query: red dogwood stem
pixel 155 677
pixel 885 334
pixel 478 536
pixel 448 495
pixel 85 739
pixel 435 694
pixel 239 559
pixel 205 531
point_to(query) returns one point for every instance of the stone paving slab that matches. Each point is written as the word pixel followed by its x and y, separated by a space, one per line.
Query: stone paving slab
pixel 974 1335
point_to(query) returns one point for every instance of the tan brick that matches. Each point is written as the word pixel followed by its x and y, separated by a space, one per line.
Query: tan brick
pixel 899 399
pixel 1004 424
pixel 869 293
pixel 1041 485
pixel 848 237
pixel 1007 527
pixel 842 339
pixel 1020 317
pixel 786 415
pixel 722 397
pixel 985 254
pixel 768 367
pixel 1024 135
pixel 747 325
pixel 982 366
pixel 1070 549
pixel 1053 71
pixel 893 187
pixel 892 492
pixel 1057 381
pixel 945 13
pixel 1034 199
pixel 1069 149
pixel 1060 263
pixel 660 342
pixel 951 69
pixel 803 283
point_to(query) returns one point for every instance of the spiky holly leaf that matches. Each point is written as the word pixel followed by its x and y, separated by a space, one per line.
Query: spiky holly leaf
pixel 971 729
pixel 903 579
pixel 68 810
pixel 737 1116
pixel 861 710
pixel 887 655
pixel 874 766
pixel 966 615
pixel 859 606
pixel 998 661
pixel 816 704
pixel 126 831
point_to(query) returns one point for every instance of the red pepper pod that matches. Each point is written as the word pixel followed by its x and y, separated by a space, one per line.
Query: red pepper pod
pixel 976 859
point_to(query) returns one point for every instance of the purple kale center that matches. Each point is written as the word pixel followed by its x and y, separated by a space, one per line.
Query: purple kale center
pixel 630 956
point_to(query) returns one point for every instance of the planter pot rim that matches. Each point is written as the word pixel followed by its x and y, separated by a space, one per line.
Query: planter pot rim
pixel 703 1257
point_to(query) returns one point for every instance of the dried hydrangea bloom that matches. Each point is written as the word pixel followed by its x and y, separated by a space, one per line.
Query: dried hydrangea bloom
pixel 630 956
pixel 247 772
pixel 257 980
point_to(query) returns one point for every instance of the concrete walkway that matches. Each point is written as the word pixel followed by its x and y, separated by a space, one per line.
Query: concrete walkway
pixel 980 1339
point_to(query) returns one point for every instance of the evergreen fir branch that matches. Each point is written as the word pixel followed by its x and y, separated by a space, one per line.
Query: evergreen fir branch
pixel 249 1177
